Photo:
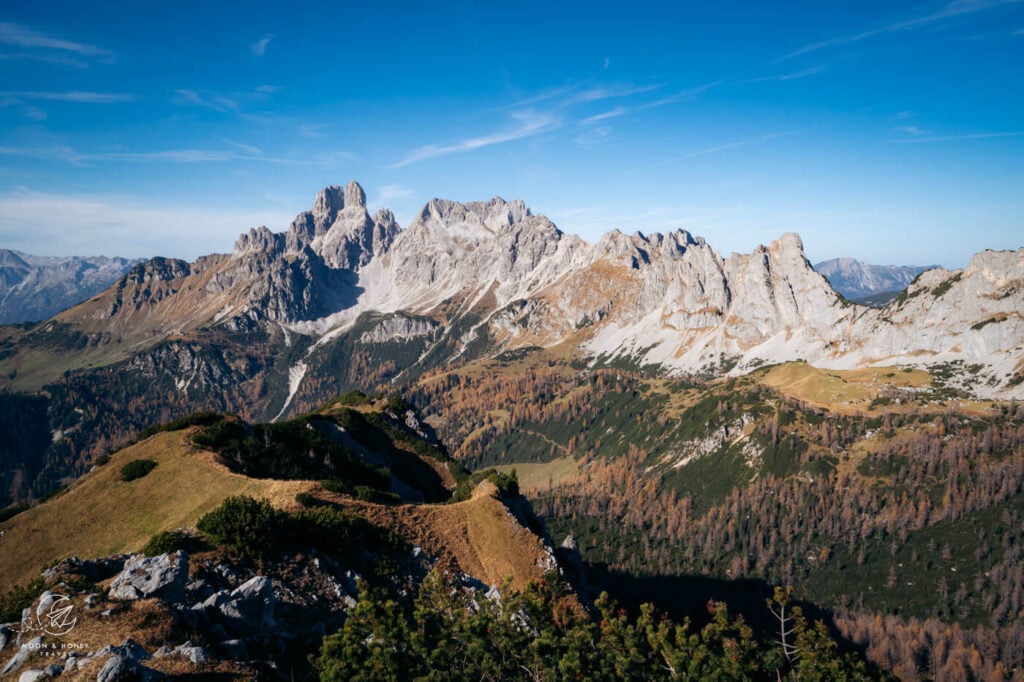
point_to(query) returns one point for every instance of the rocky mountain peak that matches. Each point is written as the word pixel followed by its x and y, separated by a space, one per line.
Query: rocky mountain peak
pixel 339 228
pixel 328 202
pixel 258 240
pixel 476 218
pixel 354 194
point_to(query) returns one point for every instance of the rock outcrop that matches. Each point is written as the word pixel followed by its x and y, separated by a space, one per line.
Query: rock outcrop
pixel 160 576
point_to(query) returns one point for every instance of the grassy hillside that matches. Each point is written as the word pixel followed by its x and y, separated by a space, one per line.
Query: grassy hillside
pixel 101 514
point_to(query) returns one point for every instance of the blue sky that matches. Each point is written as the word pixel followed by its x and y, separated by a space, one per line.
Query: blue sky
pixel 891 132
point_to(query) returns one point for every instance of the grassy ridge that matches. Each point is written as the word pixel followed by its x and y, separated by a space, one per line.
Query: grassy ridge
pixel 101 514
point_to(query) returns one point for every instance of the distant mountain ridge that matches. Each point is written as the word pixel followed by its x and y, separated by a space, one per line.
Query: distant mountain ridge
pixel 465 281
pixel 38 287
pixel 857 280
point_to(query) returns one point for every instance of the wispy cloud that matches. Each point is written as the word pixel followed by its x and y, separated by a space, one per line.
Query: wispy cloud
pixel 611 92
pixel 526 124
pixel 174 155
pixel 52 153
pixel 705 152
pixel 753 140
pixel 956 138
pixel 613 113
pixel 76 158
pixel 593 136
pixel 910 130
pixel 225 102
pixel 311 129
pixel 545 96
pixel 243 147
pixel 956 8
pixel 22 36
pixel 561 104
pixel 33 112
pixel 814 70
pixel 387 194
pixel 73 96
pixel 45 58
pixel 622 110
pixel 585 92
pixel 681 96
pixel 211 101
pixel 259 48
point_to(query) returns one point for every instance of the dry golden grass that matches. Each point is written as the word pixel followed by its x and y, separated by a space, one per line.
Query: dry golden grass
pixel 479 536
pixel 839 390
pixel 102 515
pixel 542 475
pixel 146 621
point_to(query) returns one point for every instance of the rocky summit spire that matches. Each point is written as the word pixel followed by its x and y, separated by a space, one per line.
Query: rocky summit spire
pixel 354 195
pixel 329 201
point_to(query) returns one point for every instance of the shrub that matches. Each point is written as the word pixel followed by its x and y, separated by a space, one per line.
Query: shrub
pixel 326 528
pixel 194 419
pixel 398 404
pixel 19 598
pixel 12 511
pixel 248 527
pixel 352 398
pixel 507 484
pixel 168 541
pixel 137 469
pixel 369 494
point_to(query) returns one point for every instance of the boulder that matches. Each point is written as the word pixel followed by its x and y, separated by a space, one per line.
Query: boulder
pixel 160 576
pixel 124 662
pixel 118 668
pixel 46 673
pixel 24 652
pixel 94 570
pixel 195 654
pixel 6 631
pixel 235 649
pixel 246 610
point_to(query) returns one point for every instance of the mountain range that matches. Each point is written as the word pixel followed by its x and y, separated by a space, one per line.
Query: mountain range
pixel 348 300
pixel 35 288
pixel 865 283
pixel 472 280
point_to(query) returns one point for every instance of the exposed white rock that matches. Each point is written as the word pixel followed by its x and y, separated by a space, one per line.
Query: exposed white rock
pixel 160 576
